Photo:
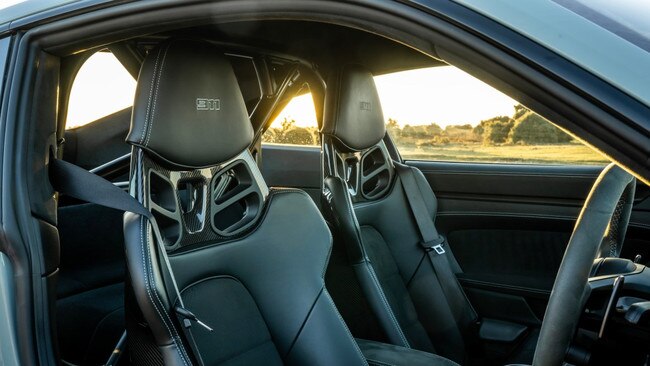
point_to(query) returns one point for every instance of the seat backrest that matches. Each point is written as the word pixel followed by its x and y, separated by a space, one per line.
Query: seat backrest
pixel 373 218
pixel 247 261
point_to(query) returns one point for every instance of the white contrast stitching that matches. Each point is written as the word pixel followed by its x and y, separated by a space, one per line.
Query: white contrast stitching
pixel 390 310
pixel 149 290
pixel 174 334
pixel 348 206
pixel 146 117
pixel 356 346
pixel 353 216
pixel 176 337
pixel 155 98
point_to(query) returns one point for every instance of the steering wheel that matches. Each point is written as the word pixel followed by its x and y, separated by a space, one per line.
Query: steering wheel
pixel 599 230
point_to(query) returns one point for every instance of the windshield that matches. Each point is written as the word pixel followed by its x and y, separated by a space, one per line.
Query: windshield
pixel 609 38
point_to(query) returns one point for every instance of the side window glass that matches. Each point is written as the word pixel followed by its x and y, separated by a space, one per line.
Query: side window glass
pixel 443 114
pixel 101 87
pixel 296 124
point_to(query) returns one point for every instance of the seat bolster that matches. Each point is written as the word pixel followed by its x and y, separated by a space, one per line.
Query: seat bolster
pixel 382 354
pixel 346 221
pixel 172 356
pixel 325 322
pixel 143 271
pixel 377 300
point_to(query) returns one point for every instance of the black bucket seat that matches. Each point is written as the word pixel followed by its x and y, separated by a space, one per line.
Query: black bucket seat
pixel 383 213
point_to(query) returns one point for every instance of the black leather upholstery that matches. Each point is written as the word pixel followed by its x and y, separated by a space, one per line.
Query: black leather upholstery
pixel 380 234
pixel 376 272
pixel 390 224
pixel 353 112
pixel 382 354
pixel 276 280
pixel 188 109
pixel 261 290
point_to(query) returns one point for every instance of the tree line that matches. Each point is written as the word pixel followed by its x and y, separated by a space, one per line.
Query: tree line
pixel 523 127
pixel 289 133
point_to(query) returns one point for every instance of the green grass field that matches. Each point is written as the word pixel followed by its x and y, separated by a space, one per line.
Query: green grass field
pixel 572 153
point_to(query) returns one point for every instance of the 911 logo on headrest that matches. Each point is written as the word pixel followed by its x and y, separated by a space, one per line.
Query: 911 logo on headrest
pixel 207 104
pixel 366 106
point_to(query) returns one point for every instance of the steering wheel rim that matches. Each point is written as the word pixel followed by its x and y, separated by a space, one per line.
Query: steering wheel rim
pixel 586 242
pixel 612 244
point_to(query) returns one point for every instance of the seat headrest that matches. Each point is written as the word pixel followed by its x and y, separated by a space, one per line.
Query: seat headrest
pixel 352 113
pixel 188 109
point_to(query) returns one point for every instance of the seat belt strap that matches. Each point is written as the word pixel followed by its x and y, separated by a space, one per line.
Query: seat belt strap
pixel 115 356
pixel 432 242
pixel 83 185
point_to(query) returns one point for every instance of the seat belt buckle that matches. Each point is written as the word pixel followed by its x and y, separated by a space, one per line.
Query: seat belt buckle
pixel 435 245
pixel 439 249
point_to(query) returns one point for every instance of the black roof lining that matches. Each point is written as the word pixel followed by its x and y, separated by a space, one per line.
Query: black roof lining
pixel 323 44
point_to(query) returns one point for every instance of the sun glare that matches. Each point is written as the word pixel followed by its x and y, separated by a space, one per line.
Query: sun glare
pixel 444 95
pixel 300 109
pixel 102 87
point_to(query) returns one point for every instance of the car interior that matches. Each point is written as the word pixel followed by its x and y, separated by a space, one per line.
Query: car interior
pixel 339 254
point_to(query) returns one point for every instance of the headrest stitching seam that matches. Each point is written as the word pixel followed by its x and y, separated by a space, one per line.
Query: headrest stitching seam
pixel 338 86
pixel 146 117
pixel 155 99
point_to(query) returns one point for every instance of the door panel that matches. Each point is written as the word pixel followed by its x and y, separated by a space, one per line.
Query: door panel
pixel 508 226
pixel 293 166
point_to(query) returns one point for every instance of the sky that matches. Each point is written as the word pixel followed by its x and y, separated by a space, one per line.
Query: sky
pixel 444 95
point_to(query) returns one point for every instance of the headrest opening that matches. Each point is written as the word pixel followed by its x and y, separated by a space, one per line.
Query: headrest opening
pixel 188 109
pixel 376 172
pixel 353 114
pixel 200 205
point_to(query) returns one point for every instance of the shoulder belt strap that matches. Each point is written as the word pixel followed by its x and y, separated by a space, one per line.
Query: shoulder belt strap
pixel 81 184
pixel 433 243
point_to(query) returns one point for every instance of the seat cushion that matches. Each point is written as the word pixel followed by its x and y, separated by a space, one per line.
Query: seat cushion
pixel 394 289
pixel 240 335
pixel 382 354
pixel 89 324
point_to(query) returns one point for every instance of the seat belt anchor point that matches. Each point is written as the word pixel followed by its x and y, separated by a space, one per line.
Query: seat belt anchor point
pixel 189 317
